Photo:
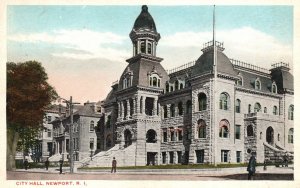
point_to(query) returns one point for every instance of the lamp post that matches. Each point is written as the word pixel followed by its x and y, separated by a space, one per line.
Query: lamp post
pixel 71 149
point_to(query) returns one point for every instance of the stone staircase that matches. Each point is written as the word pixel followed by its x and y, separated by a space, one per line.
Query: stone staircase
pixel 275 154
pixel 124 157
pixel 55 158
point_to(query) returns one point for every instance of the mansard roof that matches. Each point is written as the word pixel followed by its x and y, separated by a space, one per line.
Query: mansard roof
pixel 204 64
pixel 283 78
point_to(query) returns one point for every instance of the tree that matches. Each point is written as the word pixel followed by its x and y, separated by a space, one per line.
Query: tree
pixel 28 93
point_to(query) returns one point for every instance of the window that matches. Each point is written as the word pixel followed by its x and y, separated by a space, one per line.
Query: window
pixel 49 133
pixel 108 141
pixel 179 132
pixel 149 48
pixel 167 87
pixel 257 84
pixel 239 82
pixel 260 135
pixel 188 107
pixel 224 129
pixel 275 111
pixel 180 108
pixel 181 86
pixel 74 143
pixel 151 136
pixel 179 156
pixel 238 106
pixel 171 88
pixel 291 112
pixel 201 128
pixel 164 157
pixel 291 136
pixel 250 130
pixel 257 107
pixel 172 110
pixel 202 101
pixel 165 135
pixel 238 156
pixel 278 137
pixel 165 111
pixel 143 47
pixel 237 132
pixel 77 143
pixel 108 121
pixel 224 101
pixel 265 110
pixel 173 136
pixel 176 85
pixel 127 81
pixel 127 138
pixel 154 80
pixel 92 128
pixel 171 153
pixel 249 108
pixel 49 119
pixel 274 87
pixel 200 156
pixel 224 156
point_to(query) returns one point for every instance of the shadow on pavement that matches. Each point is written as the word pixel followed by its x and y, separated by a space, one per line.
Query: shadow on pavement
pixel 258 176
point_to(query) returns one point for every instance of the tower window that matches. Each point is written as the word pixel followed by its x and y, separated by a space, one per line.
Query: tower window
pixel 224 101
pixel 143 47
pixel 202 101
pixel 238 106
pixel 224 129
pixel 257 107
pixel 149 48
pixel 275 110
pixel 291 112
pixel 257 84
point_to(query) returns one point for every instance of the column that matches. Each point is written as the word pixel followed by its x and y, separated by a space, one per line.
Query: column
pixel 159 109
pixel 154 48
pixel 146 43
pixel 128 108
pixel 142 104
pixel 138 107
pixel 155 107
pixel 119 109
pixel 122 109
pixel 139 46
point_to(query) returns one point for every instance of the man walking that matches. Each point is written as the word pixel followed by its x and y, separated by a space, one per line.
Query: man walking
pixel 251 166
pixel 114 165
pixel 47 164
pixel 26 164
pixel 60 166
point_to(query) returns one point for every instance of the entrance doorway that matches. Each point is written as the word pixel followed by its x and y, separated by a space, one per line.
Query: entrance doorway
pixel 270 135
pixel 151 158
pixel 200 156
pixel 128 137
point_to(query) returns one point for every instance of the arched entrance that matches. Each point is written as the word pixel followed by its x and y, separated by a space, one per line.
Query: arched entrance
pixel 151 136
pixel 270 135
pixel 128 138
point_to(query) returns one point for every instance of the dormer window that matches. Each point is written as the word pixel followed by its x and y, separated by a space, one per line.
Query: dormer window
pixel 127 82
pixel 257 84
pixel 149 48
pixel 239 81
pixel 154 80
pixel 143 47
pixel 274 87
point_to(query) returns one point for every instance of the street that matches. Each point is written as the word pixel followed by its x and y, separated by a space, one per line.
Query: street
pixel 13 175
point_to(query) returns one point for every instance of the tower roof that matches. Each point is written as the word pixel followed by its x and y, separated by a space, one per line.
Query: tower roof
pixel 144 21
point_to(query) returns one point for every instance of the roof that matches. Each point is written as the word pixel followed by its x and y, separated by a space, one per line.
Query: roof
pixel 87 110
pixel 283 78
pixel 204 64
pixel 144 20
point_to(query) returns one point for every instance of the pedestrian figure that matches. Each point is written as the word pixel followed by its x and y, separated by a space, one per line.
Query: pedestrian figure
pixel 265 164
pixel 251 167
pixel 25 164
pixel 60 166
pixel 114 165
pixel 47 164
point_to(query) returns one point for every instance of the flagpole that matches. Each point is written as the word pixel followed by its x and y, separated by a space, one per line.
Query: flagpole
pixel 214 87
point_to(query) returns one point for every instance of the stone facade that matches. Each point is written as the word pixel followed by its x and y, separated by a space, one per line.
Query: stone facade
pixel 214 110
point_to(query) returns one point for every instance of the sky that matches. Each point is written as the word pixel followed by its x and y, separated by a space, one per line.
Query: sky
pixel 84 48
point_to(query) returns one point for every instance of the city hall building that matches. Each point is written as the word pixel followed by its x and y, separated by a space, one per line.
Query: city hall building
pixel 214 110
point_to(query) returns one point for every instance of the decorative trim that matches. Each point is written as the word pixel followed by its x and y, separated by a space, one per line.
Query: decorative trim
pixel 144 56
pixel 257 92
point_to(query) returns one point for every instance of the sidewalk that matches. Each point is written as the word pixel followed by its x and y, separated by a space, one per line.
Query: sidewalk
pixel 208 171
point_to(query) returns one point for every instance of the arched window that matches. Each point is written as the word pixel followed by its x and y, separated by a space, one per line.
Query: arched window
pixel 167 87
pixel 154 82
pixel 274 87
pixel 124 83
pixel 165 111
pixel 238 106
pixel 291 136
pixel 275 110
pixel 188 107
pixel 291 112
pixel 257 84
pixel 249 108
pixel 143 47
pixel 149 48
pixel 176 85
pixel 92 127
pixel 257 107
pixel 181 85
pixel 239 82
pixel 265 110
pixel 171 88
pixel 202 101
pixel 224 129
pixel 180 108
pixel 172 110
pixel 250 130
pixel 201 128
pixel 151 136
pixel 224 99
